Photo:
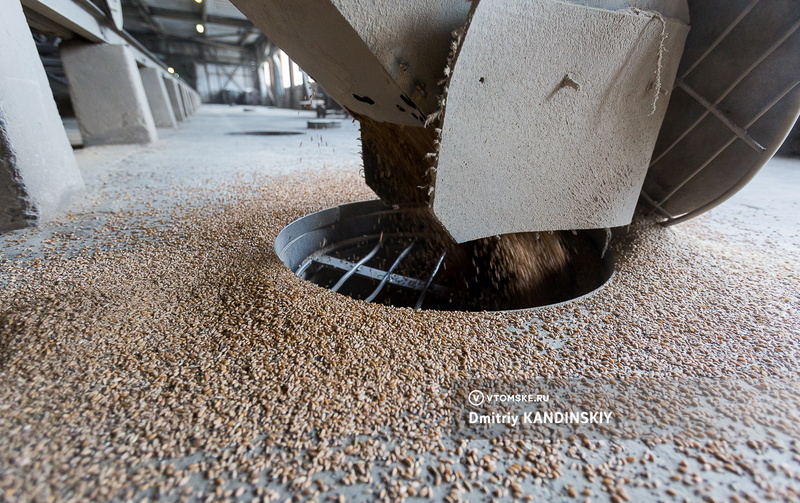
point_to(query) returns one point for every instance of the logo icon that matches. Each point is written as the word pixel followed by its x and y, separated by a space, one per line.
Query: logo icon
pixel 476 398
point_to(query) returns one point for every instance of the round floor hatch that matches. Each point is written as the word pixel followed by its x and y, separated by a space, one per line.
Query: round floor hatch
pixel 376 253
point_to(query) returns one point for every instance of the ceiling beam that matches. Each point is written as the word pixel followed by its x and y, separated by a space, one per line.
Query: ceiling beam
pixel 223 35
pixel 198 17
pixel 244 36
pixel 211 60
pixel 45 25
pixel 146 37
pixel 90 22
pixel 144 11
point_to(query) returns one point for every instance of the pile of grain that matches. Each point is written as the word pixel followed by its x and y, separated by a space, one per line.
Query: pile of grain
pixel 175 357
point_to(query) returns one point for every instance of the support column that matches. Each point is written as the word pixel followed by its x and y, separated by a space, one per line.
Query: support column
pixel 174 91
pixel 38 173
pixel 202 82
pixel 107 94
pixel 276 76
pixel 185 98
pixel 190 99
pixel 157 97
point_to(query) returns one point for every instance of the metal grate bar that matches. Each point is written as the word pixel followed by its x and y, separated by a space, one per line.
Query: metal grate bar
pixel 722 37
pixel 735 83
pixel 655 205
pixel 302 269
pixel 358 264
pixel 774 47
pixel 378 274
pixel 313 258
pixel 430 280
pixel 728 144
pixel 679 138
pixel 741 133
pixel 389 272
pixel 694 173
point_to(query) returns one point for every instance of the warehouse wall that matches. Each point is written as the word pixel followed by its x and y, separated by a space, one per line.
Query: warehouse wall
pixel 229 83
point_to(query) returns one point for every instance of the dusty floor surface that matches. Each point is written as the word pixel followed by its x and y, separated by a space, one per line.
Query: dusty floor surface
pixel 153 347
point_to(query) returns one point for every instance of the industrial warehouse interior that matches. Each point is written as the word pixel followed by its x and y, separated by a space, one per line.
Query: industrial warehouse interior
pixel 440 250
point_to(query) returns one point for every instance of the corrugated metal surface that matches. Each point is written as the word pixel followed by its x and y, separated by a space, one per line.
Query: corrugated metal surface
pixel 223 8
pixel 178 27
pixel 182 5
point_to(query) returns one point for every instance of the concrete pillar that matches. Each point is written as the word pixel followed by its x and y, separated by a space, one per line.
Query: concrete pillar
pixel 38 172
pixel 157 97
pixel 173 89
pixel 182 95
pixel 185 98
pixel 276 76
pixel 107 94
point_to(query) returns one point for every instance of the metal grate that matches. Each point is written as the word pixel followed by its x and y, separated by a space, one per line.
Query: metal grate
pixel 745 55
pixel 378 254
pixel 385 248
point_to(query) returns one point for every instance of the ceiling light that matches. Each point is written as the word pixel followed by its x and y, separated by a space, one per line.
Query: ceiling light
pixel 198 1
pixel 171 70
pixel 200 28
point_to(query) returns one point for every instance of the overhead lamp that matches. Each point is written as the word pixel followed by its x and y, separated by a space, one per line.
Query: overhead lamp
pixel 200 28
pixel 171 70
pixel 198 1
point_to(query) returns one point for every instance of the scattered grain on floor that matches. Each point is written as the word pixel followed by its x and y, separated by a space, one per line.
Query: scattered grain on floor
pixel 173 356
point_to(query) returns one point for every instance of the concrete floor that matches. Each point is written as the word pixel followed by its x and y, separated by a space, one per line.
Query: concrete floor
pixel 136 195
pixel 766 212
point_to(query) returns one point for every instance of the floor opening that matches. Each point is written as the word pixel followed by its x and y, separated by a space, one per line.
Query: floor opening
pixel 376 253
pixel 265 133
